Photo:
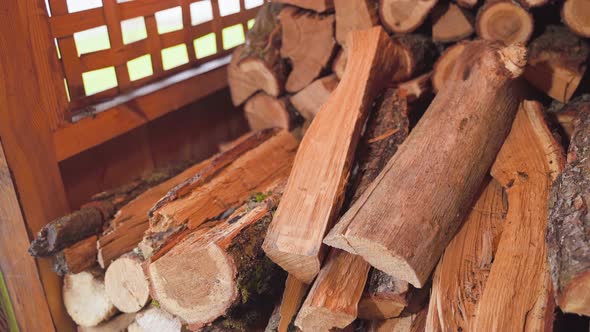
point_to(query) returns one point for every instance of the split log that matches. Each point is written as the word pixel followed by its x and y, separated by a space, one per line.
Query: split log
pixel 411 323
pixel 263 111
pixel 85 298
pixel 505 21
pixel 119 323
pixel 451 23
pixel 200 199
pixel 260 57
pixel 283 318
pixel 557 62
pixel 309 100
pixel 131 221
pixel 460 277
pixel 308 41
pixel 354 15
pixel 566 121
pixel 319 6
pixel 417 88
pixel 449 155
pixel 126 283
pixel 403 16
pixel 567 233
pixel 155 320
pixel 339 64
pixel 76 258
pixel 518 294
pixel 574 14
pixel 326 152
pixel 219 271
pixel 384 297
pixel 444 67
pixel 467 3
pixel 532 3
pixel 242 85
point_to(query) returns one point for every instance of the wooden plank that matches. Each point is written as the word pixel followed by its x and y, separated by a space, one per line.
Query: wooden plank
pixel 26 137
pixel 92 131
pixel 111 15
pixel 64 24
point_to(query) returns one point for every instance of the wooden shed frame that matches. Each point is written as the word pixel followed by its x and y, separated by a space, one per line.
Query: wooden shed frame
pixel 36 133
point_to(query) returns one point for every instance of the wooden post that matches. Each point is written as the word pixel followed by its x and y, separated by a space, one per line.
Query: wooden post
pixel 34 194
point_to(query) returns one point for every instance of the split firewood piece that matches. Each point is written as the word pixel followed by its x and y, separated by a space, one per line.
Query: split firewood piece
pixel 557 62
pixel 76 258
pixel 188 206
pixel 354 15
pixel 309 207
pixel 242 85
pixel 417 88
pixel 118 323
pixel 384 297
pixel 518 291
pixel 574 14
pixel 308 41
pixel 444 67
pixel 339 64
pixel 467 3
pixel 405 237
pixel 210 274
pixel 319 6
pixel 85 298
pixel 460 277
pixel 505 21
pixel 263 111
pixel 260 58
pixel 309 100
pixel 532 3
pixel 131 221
pixel 567 233
pixel 333 299
pixel 126 283
pixel 282 319
pixel 410 323
pixel 403 16
pixel 451 23
pixel 419 54
pixel 566 121
pixel 155 319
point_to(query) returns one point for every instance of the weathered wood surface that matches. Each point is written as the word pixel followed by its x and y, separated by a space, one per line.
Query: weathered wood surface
pixel 76 258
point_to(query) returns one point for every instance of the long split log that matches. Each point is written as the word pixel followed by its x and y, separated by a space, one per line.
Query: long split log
pixel 403 16
pixel 85 298
pixel 505 21
pixel 406 218
pixel 309 207
pixel 517 294
pixel 567 233
pixel 283 317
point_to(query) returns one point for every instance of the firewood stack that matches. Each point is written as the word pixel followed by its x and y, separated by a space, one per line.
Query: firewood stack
pixel 406 171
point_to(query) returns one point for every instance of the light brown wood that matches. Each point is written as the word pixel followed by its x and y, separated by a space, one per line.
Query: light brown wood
pixel 568 245
pixel 405 237
pixel 460 277
pixel 451 23
pixel 308 41
pixel 241 84
pixel 263 111
pixel 518 295
pixel 418 56
pixel 384 297
pixel 411 323
pixel 354 15
pixel 467 3
pixel 77 258
pixel 126 284
pixel 574 15
pixel 309 101
pixel 403 16
pixel 155 319
pixel 85 298
pixel 444 67
pixel 505 21
pixel 417 88
pixel 339 63
pixel 118 323
pixel 319 6
pixel 293 297
pixel 557 62
pixel 532 3
pixel 309 207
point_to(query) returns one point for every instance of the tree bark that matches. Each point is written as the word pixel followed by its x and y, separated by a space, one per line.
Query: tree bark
pixel 505 21
pixel 76 258
pixel 404 16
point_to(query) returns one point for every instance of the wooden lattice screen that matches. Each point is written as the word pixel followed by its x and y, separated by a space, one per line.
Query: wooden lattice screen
pixel 64 24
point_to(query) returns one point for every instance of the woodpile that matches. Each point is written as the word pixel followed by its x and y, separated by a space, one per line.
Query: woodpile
pixel 406 171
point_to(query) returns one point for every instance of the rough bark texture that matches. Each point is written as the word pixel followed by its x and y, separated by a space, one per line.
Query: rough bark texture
pixel 505 21
pixel 574 14
pixel 569 222
pixel 76 258
pixel 403 16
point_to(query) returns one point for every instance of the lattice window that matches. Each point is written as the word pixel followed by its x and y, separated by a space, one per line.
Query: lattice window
pixel 108 47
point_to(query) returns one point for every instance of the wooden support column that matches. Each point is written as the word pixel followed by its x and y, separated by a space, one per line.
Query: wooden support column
pixel 31 189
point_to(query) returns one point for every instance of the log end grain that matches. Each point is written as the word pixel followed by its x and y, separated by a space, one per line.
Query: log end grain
pixel 575 15
pixel 402 16
pixel 126 284
pixel 504 21
pixel 85 298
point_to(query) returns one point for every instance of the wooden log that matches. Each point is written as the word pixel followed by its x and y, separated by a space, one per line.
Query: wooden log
pixel 339 64
pixel 384 297
pixel 282 319
pixel 404 16
pixel 444 67
pixel 333 135
pixel 567 240
pixel 212 273
pixel 574 15
pixel 76 258
pixel 126 284
pixel 460 277
pixel 308 41
pixel 263 111
pixel 130 223
pixel 451 23
pixel 517 294
pixel 242 85
pixel 119 323
pixel 532 3
pixel 354 15
pixel 260 58
pixel 467 3
pixel 505 21
pixel 85 298
pixel 557 62
pixel 309 100
pixel 405 238
pixel 410 323
pixel 417 88
pixel 319 6
pixel 155 319
pixel 197 201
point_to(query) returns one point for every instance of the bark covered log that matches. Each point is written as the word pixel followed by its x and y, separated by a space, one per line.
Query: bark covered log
pixel 76 258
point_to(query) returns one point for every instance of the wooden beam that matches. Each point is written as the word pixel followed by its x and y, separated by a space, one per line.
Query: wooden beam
pixel 26 101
